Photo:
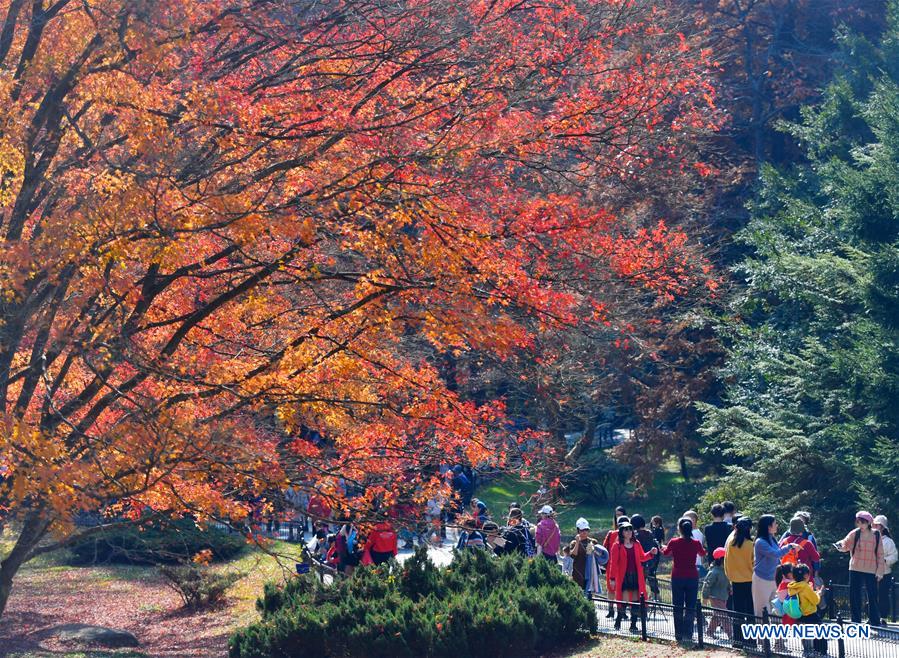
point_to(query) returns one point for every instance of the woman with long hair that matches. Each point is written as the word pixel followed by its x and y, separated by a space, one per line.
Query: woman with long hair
pixel 627 582
pixel 739 560
pixel 767 557
pixel 684 578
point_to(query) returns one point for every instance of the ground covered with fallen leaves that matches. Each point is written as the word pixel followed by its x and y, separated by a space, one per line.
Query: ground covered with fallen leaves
pixel 49 593
pixel 136 599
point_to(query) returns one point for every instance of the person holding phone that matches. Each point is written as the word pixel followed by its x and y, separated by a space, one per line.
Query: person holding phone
pixel 867 565
pixel 587 558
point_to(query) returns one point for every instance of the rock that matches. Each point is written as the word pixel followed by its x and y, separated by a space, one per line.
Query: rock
pixel 97 635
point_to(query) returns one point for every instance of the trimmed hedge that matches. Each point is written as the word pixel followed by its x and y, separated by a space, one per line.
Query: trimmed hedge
pixel 478 606
pixel 158 542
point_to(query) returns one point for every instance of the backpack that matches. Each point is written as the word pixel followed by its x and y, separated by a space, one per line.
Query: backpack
pixel 858 535
pixel 530 548
pixel 792 556
pixel 791 607
pixel 777 606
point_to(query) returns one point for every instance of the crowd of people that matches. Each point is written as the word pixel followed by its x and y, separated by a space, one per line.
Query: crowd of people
pixel 734 563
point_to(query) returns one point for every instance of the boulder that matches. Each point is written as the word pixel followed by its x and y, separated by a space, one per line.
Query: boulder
pixel 84 634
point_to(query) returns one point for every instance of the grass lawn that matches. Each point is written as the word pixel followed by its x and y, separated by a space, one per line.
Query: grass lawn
pixel 661 499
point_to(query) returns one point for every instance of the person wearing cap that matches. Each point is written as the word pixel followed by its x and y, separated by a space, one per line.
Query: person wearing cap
pixel 807 533
pixel 739 562
pixel 867 565
pixel 806 554
pixel 890 557
pixel 715 591
pixel 587 557
pixel 548 536
pixel 625 572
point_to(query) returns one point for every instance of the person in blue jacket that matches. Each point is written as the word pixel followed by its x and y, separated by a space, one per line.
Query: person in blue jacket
pixel 767 557
pixel 463 485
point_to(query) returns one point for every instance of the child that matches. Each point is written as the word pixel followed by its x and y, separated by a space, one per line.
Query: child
pixel 809 599
pixel 567 561
pixel 715 590
pixel 783 576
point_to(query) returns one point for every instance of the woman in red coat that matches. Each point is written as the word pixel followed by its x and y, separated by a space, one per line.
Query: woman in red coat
pixel 625 573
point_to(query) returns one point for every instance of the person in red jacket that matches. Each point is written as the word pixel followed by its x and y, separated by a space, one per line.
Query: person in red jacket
pixel 607 542
pixel 382 542
pixel 625 572
pixel 318 508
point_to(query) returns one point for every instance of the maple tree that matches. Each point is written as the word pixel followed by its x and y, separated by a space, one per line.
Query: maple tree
pixel 221 213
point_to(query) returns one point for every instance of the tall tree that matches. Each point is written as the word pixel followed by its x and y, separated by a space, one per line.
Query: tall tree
pixel 215 211
pixel 811 419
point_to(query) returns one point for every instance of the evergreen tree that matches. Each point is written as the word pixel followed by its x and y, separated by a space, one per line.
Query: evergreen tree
pixel 811 412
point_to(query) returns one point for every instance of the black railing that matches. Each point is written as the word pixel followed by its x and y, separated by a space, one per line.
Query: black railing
pixel 840 594
pixel 714 627
pixel 838 597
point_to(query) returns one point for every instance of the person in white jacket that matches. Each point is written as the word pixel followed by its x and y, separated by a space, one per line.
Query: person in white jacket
pixel 890 556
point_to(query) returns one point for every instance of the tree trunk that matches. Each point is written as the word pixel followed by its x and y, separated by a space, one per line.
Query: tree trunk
pixel 584 443
pixel 33 530
pixel 682 456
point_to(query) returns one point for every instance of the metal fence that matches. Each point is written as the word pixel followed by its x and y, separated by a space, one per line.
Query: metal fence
pixel 656 619
pixel 289 531
pixel 838 597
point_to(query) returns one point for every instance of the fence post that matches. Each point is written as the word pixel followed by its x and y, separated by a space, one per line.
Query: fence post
pixel 699 623
pixel 643 617
pixel 841 646
pixel 894 601
pixel 766 643
pixel 831 603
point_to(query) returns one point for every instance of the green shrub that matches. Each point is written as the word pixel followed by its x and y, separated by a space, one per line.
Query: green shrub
pixel 156 542
pixel 477 606
pixel 599 477
pixel 197 585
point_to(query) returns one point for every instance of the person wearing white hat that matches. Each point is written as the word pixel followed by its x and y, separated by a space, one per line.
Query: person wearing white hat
pixel 866 566
pixel 890 556
pixel 548 536
pixel 587 555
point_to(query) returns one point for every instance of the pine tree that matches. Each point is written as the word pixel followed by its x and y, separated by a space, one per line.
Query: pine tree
pixel 811 412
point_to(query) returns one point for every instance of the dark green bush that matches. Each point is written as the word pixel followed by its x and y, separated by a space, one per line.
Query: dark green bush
pixel 478 606
pixel 156 542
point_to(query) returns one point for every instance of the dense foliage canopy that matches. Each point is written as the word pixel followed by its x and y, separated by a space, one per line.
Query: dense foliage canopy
pixel 226 222
pixel 811 418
